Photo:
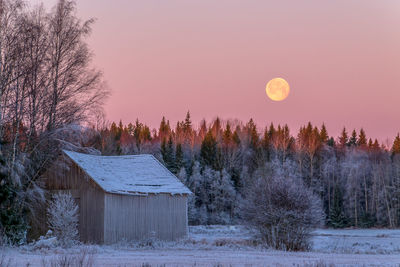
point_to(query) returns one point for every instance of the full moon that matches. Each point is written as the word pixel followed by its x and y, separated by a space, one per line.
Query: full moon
pixel 277 89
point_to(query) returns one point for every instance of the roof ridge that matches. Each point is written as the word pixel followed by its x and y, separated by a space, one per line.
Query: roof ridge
pixel 111 156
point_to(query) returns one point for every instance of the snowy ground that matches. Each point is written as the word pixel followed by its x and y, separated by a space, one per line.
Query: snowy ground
pixel 358 241
pixel 233 246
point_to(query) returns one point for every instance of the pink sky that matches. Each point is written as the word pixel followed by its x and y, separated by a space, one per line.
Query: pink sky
pixel 341 59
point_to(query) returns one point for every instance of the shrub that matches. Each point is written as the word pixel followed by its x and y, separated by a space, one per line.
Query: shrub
pixel 283 210
pixel 63 219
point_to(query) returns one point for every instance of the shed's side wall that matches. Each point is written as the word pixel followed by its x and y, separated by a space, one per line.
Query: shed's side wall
pixel 162 216
pixel 88 195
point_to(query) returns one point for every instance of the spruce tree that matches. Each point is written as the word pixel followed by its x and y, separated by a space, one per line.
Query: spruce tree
pixel 396 145
pixel 203 129
pixel 208 151
pixel 187 124
pixel 265 144
pixel 227 135
pixel 376 146
pixel 336 214
pixel 255 153
pixel 137 134
pixel 331 142
pixel 114 129
pixel 323 134
pixel 216 128
pixel 236 137
pixel 163 151
pixel 146 134
pixel 253 135
pixel 164 129
pixel 171 163
pixel 353 139
pixel 370 143
pixel 271 131
pixel 119 130
pixel 362 138
pixel 343 139
pixel 309 129
pixel 178 157
pixel 167 153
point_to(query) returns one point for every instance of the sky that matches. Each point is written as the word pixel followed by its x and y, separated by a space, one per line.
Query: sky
pixel 214 58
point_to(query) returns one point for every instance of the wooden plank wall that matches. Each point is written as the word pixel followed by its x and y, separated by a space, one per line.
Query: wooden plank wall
pixel 88 194
pixel 139 217
pixel 92 214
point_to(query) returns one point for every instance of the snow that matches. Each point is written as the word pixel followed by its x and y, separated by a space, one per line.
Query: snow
pixel 369 241
pixel 49 242
pixel 218 245
pixel 216 233
pixel 130 174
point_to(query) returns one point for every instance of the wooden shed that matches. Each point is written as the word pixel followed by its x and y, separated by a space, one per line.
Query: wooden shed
pixel 129 197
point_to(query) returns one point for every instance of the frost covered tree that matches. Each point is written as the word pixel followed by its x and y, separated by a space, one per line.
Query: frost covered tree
pixel 214 196
pixel 182 175
pixel 396 187
pixel 356 168
pixel 283 210
pixel 205 195
pixel 63 219
pixel 194 182
pixel 223 196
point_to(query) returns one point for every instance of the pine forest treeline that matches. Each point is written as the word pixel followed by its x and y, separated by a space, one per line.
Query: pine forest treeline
pixel 357 179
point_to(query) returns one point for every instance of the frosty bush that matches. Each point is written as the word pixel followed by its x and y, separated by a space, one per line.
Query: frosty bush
pixel 63 219
pixel 283 210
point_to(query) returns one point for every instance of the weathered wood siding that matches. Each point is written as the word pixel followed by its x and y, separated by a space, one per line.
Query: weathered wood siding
pixel 88 195
pixel 163 216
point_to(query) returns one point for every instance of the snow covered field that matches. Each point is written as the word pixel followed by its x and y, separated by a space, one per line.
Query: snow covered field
pixel 359 241
pixel 232 246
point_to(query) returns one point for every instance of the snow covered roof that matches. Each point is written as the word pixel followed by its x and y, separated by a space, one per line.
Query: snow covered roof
pixel 130 174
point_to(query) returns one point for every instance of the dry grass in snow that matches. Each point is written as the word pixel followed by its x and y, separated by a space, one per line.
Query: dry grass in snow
pixel 221 246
